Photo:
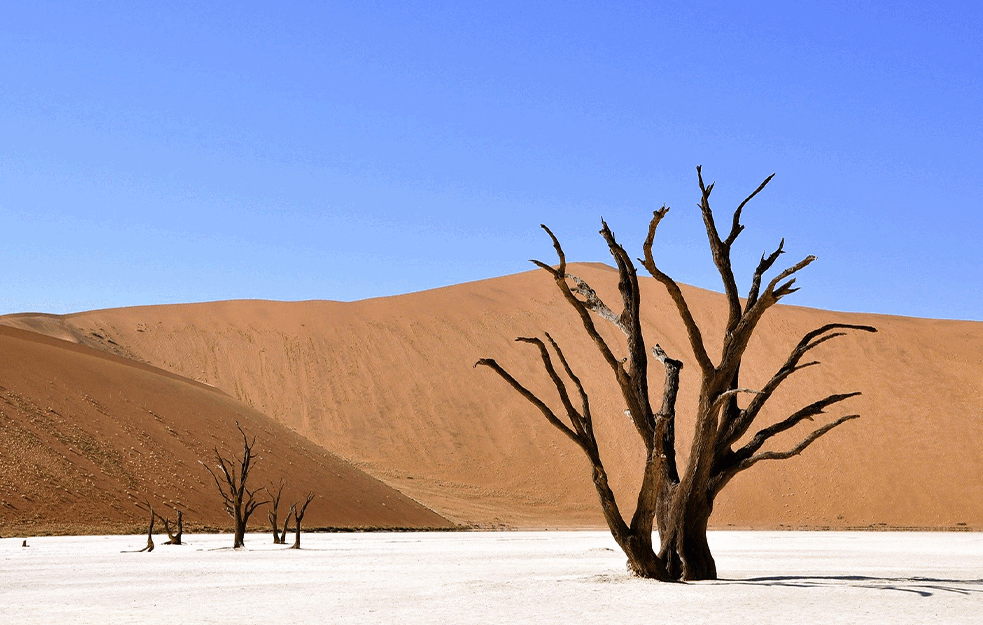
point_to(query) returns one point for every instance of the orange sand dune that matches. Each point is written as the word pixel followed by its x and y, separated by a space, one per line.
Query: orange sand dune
pixel 388 383
pixel 80 430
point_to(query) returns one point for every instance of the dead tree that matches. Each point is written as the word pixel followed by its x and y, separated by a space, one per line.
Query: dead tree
pixel 678 503
pixel 174 536
pixel 286 524
pixel 232 482
pixel 150 529
pixel 298 511
pixel 278 539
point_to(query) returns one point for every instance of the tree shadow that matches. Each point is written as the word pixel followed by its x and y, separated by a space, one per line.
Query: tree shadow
pixel 921 586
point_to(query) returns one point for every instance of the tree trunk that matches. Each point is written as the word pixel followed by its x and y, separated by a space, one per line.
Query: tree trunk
pixel 642 559
pixel 283 534
pixel 296 544
pixel 180 528
pixel 684 546
pixel 239 539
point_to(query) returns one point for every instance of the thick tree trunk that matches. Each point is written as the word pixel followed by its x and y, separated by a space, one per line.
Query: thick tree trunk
pixel 683 539
pixel 636 541
pixel 642 559
pixel 690 546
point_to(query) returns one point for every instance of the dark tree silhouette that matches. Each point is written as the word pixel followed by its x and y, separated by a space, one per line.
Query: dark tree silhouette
pixel 273 514
pixel 298 510
pixel 231 481
pixel 679 504
pixel 175 533
pixel 146 507
pixel 174 536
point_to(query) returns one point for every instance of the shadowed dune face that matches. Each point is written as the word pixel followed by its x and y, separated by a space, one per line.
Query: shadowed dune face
pixel 388 383
pixel 81 429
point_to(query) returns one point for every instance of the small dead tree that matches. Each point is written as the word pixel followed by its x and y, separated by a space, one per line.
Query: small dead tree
pixel 231 480
pixel 286 524
pixel 174 536
pixel 278 539
pixel 679 503
pixel 145 506
pixel 298 511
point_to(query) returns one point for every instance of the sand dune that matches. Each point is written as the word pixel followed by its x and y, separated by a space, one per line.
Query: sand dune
pixel 81 431
pixel 388 383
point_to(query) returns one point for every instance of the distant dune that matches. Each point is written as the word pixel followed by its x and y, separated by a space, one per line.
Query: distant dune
pixel 80 430
pixel 388 383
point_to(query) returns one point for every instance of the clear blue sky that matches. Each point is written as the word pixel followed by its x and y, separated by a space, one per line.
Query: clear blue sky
pixel 170 152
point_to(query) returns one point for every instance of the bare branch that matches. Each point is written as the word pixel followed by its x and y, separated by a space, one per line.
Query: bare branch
pixel 562 269
pixel 720 251
pixel 594 303
pixel 723 397
pixel 634 386
pixel 302 509
pixel 735 429
pixel 576 419
pixel 808 412
pixel 531 398
pixel 609 504
pixel 585 415
pixel 738 336
pixel 764 265
pixel 559 276
pixel 692 329
pixel 781 455
pixel 736 228
pixel 782 290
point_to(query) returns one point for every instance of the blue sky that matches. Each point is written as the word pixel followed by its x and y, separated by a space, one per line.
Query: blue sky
pixel 170 152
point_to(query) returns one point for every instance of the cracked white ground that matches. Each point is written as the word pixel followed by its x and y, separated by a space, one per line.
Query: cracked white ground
pixel 491 577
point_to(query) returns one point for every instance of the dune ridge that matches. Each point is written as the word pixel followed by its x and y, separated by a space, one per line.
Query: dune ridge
pixel 388 384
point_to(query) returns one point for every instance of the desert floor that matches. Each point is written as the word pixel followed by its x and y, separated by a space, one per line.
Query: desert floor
pixel 485 577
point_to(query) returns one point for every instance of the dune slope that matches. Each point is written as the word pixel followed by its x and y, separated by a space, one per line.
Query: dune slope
pixel 84 433
pixel 388 383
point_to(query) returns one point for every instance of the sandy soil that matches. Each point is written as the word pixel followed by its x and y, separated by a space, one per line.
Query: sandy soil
pixel 388 384
pixel 83 432
pixel 494 578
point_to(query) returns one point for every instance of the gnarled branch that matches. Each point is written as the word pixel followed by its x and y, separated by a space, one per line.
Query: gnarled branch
pixel 736 428
pixel 720 250
pixel 682 307
pixel 781 455
pixel 808 412
pixel 764 265
pixel 594 303
pixel 559 276
pixel 532 399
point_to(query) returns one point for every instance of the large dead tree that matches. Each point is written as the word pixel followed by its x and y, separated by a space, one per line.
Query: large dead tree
pixel 232 480
pixel 678 503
